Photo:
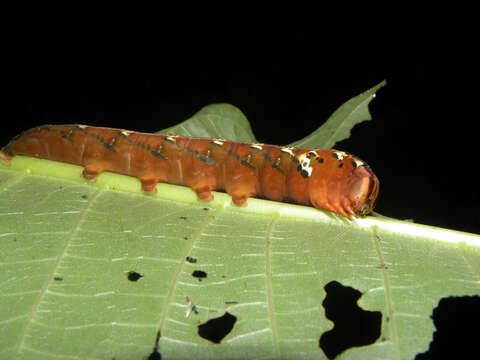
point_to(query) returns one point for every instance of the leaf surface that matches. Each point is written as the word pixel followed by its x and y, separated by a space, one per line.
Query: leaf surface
pixel 69 246
pixel 338 126
pixel 219 121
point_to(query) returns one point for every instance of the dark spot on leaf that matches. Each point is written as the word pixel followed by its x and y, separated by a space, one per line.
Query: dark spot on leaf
pixel 353 326
pixel 455 319
pixel 58 278
pixel 134 276
pixel 216 329
pixel 191 259
pixel 185 238
pixel 85 196
pixel 206 209
pixel 231 302
pixel 183 217
pixel 155 355
pixel 199 274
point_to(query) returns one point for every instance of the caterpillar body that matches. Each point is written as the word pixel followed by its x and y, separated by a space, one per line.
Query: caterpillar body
pixel 323 178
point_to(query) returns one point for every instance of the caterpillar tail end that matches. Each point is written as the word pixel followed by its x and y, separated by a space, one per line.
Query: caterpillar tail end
pixel 5 158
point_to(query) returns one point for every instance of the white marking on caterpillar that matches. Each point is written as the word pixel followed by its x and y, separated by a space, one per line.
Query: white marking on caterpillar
pixel 340 155
pixel 304 161
pixel 125 133
pixel 288 151
pixel 257 146
pixel 358 162
pixel 218 142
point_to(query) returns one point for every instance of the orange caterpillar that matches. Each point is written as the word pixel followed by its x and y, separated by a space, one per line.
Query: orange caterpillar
pixel 327 179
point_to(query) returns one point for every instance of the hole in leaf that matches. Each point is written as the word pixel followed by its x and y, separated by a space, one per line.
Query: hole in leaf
pixel 455 319
pixel 134 276
pixel 155 355
pixel 353 326
pixel 58 278
pixel 85 196
pixel 191 260
pixel 199 274
pixel 216 329
pixel 183 217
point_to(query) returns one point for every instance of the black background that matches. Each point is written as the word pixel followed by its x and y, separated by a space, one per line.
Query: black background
pixel 148 65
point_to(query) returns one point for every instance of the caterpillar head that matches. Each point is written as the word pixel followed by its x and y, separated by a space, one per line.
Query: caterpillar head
pixel 363 187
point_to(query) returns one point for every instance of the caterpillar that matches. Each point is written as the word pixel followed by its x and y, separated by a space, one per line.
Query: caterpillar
pixel 324 178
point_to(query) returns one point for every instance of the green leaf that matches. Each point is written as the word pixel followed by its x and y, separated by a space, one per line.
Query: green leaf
pixel 219 121
pixel 338 126
pixel 67 246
